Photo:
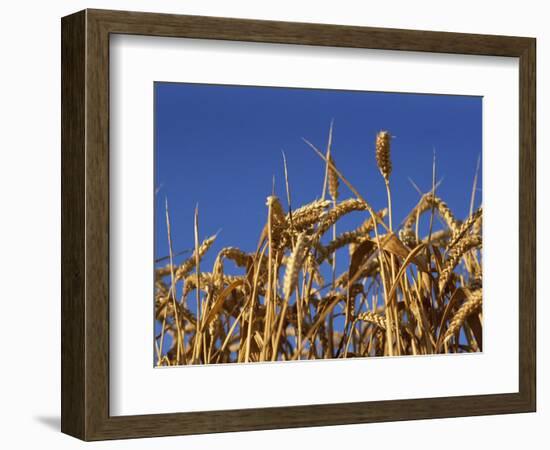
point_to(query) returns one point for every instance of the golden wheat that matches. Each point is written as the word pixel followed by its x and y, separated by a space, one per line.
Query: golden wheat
pixel 397 293
pixel 383 154
pixel 469 307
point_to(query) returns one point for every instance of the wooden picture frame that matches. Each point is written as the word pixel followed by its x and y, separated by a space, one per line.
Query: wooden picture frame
pixel 85 224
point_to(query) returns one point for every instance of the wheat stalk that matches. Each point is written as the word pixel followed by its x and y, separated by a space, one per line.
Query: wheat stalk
pixel 294 264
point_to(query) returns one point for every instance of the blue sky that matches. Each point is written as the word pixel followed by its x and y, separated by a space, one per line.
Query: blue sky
pixel 220 146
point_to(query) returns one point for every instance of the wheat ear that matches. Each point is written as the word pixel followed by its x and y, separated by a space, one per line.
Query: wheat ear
pixel 308 215
pixel 383 159
pixel 333 183
pixel 374 318
pixel 189 264
pixel 455 255
pixel 469 307
pixel 343 208
pixel 465 226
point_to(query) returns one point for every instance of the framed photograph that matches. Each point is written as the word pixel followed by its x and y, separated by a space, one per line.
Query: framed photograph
pixel 270 224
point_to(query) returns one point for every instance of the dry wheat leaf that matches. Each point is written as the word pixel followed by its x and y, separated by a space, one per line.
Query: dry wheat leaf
pixel 392 244
pixel 361 253
pixel 410 258
pixel 475 325
pixel 219 301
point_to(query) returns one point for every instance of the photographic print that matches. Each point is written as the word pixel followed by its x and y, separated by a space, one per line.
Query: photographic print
pixel 308 224
pixel 262 197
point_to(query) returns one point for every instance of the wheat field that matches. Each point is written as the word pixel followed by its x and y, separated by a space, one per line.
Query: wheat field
pixel 399 292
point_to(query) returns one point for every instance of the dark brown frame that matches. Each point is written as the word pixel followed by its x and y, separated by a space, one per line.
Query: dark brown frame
pixel 85 224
